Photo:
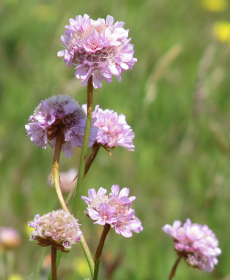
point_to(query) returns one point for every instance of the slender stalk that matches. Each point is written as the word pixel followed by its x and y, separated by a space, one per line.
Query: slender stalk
pixel 55 169
pixel 39 264
pixel 5 259
pixel 95 150
pixel 90 160
pixel 87 254
pixel 81 173
pixel 59 255
pixel 85 145
pixel 53 262
pixel 173 271
pixel 100 246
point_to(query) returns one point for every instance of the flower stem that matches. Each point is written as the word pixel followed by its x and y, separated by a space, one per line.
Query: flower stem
pixel 90 160
pixel 5 259
pixel 58 259
pixel 95 149
pixel 87 254
pixel 55 169
pixel 39 264
pixel 85 145
pixel 53 262
pixel 173 271
pixel 100 246
pixel 81 175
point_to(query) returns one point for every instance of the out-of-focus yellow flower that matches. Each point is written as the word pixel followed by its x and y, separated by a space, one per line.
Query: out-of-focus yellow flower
pixel 81 266
pixel 28 229
pixel 215 5
pixel 15 277
pixel 221 31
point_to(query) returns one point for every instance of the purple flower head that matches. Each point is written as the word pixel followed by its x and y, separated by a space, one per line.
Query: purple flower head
pixel 113 209
pixel 58 228
pixel 100 48
pixel 59 113
pixel 113 129
pixel 195 243
pixel 9 238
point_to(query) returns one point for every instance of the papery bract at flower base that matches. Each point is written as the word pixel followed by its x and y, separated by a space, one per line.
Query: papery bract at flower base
pixel 195 243
pixel 113 209
pixel 113 129
pixel 58 228
pixel 99 48
pixel 59 114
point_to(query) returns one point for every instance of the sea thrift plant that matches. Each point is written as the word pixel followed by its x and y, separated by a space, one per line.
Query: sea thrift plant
pixel 57 228
pixel 98 48
pixel 59 114
pixel 113 129
pixel 197 244
pixel 113 209
pixel 9 238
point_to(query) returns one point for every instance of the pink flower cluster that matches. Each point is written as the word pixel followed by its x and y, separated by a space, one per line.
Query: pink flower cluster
pixel 99 48
pixel 113 209
pixel 113 129
pixel 9 238
pixel 59 113
pixel 57 228
pixel 195 243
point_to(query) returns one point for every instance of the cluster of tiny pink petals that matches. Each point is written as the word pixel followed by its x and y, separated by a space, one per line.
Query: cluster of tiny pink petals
pixel 58 228
pixel 9 238
pixel 113 209
pixel 99 48
pixel 113 129
pixel 197 244
pixel 59 113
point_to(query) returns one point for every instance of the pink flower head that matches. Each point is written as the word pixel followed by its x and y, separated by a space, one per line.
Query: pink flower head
pixel 113 129
pixel 99 48
pixel 113 209
pixel 9 238
pixel 58 228
pixel 59 113
pixel 195 243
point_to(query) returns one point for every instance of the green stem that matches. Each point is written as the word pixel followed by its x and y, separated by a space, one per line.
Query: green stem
pixel 85 145
pixel 173 271
pixel 87 254
pixel 99 250
pixel 5 259
pixel 39 264
pixel 55 169
pixel 53 262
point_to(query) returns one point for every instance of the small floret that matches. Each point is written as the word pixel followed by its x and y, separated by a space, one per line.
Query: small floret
pixel 113 209
pixel 100 48
pixel 197 244
pixel 59 114
pixel 58 228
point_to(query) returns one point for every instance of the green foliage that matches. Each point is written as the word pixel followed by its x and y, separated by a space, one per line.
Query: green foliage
pixel 177 107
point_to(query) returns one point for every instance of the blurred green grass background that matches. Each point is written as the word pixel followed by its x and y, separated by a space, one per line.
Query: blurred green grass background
pixel 176 100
